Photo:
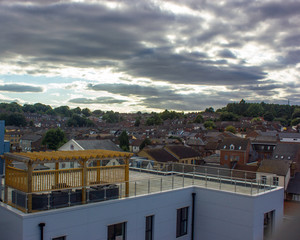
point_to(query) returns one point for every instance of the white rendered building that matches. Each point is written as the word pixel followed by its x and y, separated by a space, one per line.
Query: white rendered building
pixel 160 205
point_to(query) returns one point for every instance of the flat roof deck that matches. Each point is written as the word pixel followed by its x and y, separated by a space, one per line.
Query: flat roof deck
pixel 145 182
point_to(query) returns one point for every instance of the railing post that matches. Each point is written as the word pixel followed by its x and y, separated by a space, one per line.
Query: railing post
pixel 49 202
pixel 206 177
pixel 235 185
pixel 172 180
pixel 69 196
pixel 148 185
pixel 126 177
pixel 121 190
pixel 135 188
pixel 193 175
pixel 182 175
pixel 29 185
pixel 161 181
pixel 84 181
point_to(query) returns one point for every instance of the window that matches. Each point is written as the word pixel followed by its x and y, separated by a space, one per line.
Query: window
pixel 275 181
pixel 226 157
pixel 149 228
pixel 182 221
pixel 232 147
pixel 116 231
pixel 263 179
pixel 60 238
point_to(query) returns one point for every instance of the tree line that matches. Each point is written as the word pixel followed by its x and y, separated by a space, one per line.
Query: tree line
pixel 13 112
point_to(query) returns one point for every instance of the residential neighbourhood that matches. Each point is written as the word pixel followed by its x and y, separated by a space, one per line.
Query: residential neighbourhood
pixel 256 155
pixel 258 146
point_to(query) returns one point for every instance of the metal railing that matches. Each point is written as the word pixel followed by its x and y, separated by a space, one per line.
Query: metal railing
pixel 147 181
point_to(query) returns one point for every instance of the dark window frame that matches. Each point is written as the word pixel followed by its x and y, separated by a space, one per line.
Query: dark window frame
pixel 60 238
pixel 115 228
pixel 149 227
pixel 182 221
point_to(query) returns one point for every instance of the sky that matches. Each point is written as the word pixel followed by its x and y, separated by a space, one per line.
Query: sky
pixel 149 55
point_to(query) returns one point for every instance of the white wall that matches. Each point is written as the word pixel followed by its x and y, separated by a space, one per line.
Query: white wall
pixel 226 215
pixel 218 215
pixel 11 226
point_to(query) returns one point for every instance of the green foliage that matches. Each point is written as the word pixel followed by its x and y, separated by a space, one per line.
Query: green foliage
pixel 146 142
pixel 228 116
pixel 11 107
pixel 230 128
pixel 137 122
pixel 210 110
pixel 76 110
pixel 255 110
pixel 295 121
pixel 283 121
pixel 14 119
pixel 124 141
pixel 86 112
pixel 170 115
pixel 268 116
pixel 111 117
pixel 177 138
pixel 97 112
pixel 63 111
pixel 296 113
pixel 154 120
pixel 199 119
pixel 54 139
pixel 209 124
pixel 41 108
pixel 78 121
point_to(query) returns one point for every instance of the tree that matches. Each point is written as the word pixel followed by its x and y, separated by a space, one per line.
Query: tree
pixel 295 121
pixel 54 139
pixel 145 143
pixel 228 116
pixel 209 124
pixel 230 128
pixel 268 116
pixel 296 113
pixel 78 121
pixel 124 141
pixel 154 120
pixel 16 119
pixel 111 117
pixel 137 122
pixel 210 110
pixel 86 112
pixel 199 119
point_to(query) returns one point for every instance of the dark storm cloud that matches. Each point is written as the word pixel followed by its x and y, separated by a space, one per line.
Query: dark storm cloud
pixel 135 90
pixel 181 69
pixel 20 88
pixel 226 54
pixel 163 97
pixel 99 100
pixel 135 40
pixel 65 34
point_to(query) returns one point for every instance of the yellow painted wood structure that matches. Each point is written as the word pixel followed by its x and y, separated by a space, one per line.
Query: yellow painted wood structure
pixel 30 181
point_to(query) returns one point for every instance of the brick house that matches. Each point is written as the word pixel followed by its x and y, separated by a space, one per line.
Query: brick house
pixel 234 151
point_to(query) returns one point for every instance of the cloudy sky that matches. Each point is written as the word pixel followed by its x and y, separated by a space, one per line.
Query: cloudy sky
pixel 149 55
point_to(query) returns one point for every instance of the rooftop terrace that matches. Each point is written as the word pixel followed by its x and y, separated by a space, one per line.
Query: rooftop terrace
pixel 145 177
